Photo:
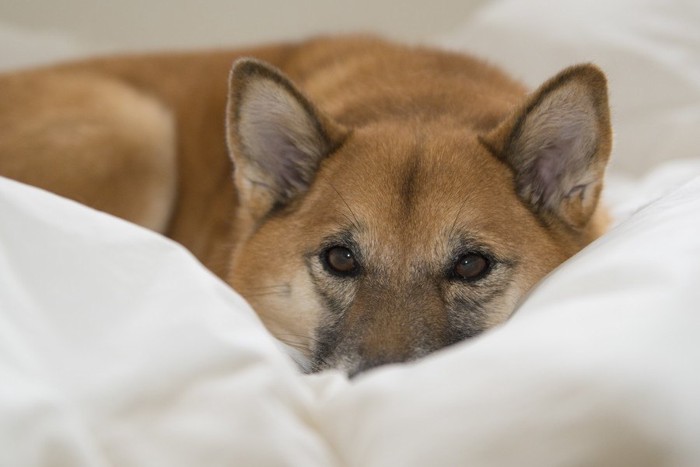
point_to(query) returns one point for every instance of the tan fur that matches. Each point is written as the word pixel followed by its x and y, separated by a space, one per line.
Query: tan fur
pixel 406 156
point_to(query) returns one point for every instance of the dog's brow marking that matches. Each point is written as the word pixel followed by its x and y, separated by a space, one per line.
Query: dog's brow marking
pixel 408 186
pixel 357 222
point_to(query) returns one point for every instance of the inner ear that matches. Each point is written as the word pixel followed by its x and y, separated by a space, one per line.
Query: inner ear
pixel 554 146
pixel 276 137
pixel 558 145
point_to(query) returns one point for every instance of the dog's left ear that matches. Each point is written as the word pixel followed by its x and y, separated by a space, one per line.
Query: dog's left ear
pixel 558 145
pixel 276 137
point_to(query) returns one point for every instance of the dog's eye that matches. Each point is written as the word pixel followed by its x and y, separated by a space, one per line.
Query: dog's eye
pixel 340 261
pixel 471 267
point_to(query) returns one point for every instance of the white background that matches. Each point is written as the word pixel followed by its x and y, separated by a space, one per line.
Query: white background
pixel 138 24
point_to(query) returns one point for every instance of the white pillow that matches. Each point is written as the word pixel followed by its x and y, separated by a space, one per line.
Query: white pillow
pixel 117 348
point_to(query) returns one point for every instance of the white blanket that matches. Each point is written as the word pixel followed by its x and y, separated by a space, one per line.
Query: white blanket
pixel 118 348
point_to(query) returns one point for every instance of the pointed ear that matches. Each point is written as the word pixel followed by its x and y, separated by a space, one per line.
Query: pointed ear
pixel 276 137
pixel 558 145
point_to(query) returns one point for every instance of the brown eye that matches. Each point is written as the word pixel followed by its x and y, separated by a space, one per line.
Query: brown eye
pixel 471 267
pixel 340 261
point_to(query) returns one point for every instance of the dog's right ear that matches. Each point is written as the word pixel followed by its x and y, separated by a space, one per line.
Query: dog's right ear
pixel 276 137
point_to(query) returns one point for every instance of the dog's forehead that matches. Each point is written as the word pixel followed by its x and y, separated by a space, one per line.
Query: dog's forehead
pixel 411 185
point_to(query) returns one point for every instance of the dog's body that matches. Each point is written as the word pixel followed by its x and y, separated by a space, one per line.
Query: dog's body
pixel 390 202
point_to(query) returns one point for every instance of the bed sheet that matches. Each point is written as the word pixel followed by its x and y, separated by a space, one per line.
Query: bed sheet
pixel 118 348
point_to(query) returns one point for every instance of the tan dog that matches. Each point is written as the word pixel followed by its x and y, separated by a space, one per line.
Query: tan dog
pixel 388 201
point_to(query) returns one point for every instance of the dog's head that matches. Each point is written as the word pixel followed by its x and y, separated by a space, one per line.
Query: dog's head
pixel 381 243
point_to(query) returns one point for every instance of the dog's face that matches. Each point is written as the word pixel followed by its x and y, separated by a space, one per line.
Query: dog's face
pixel 380 244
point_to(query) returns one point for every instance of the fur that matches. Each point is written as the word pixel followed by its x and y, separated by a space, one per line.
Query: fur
pixel 373 202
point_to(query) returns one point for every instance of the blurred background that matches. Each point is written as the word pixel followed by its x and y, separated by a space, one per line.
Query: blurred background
pixel 649 49
pixel 157 24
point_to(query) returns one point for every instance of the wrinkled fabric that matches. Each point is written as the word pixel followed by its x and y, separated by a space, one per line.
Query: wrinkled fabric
pixel 118 348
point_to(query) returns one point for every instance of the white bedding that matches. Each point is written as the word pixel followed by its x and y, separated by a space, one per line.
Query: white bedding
pixel 118 348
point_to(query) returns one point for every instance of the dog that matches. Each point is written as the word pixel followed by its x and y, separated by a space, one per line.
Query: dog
pixel 373 202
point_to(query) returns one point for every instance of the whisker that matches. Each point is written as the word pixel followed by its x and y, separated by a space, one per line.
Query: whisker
pixel 298 354
pixel 454 223
pixel 266 287
pixel 280 293
pixel 356 221
pixel 268 290
pixel 294 345
pixel 297 336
